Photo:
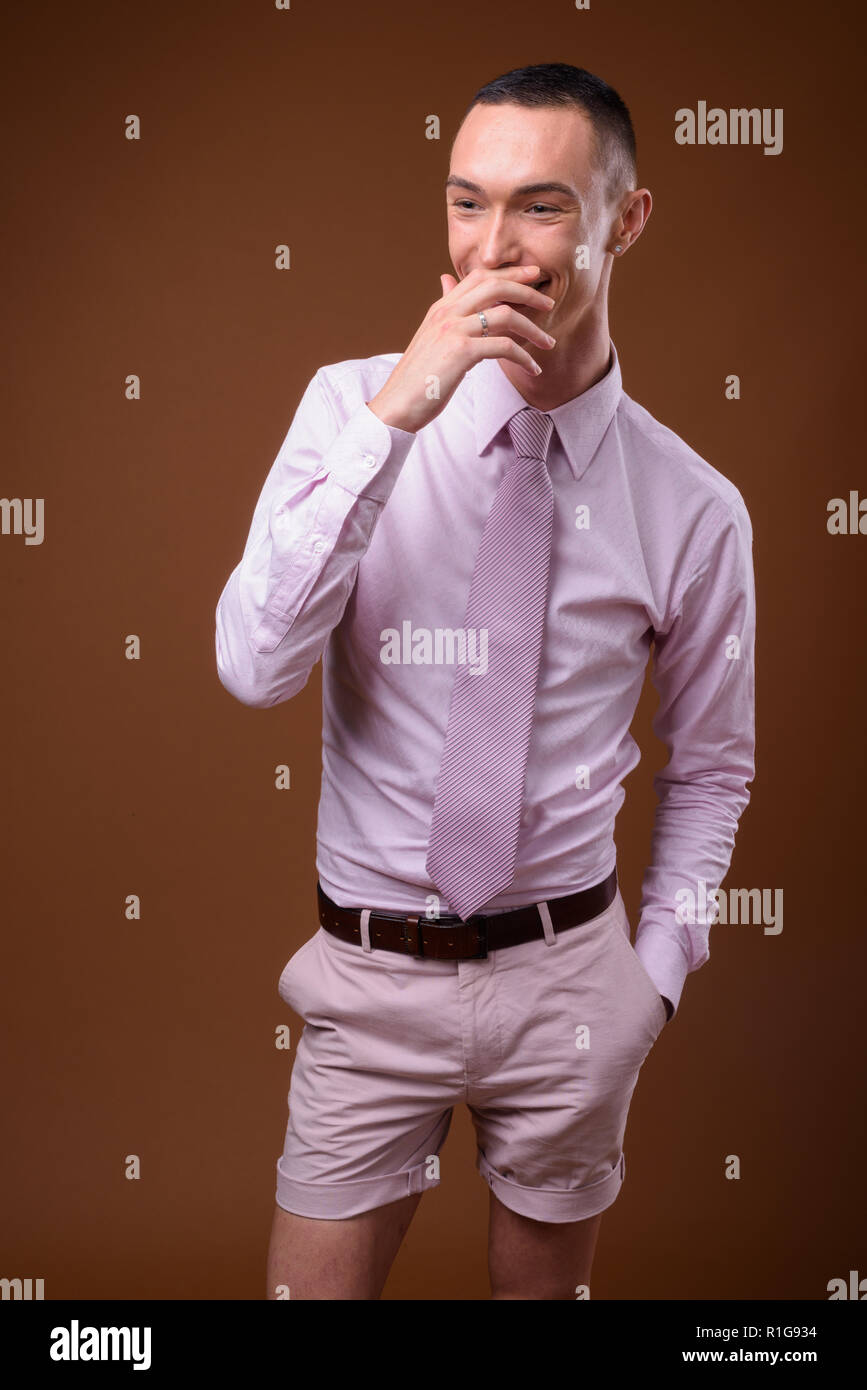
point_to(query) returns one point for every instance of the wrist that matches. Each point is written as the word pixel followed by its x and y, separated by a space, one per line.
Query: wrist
pixel 389 416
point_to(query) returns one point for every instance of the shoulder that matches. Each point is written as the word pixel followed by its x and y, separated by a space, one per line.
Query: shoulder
pixel 675 471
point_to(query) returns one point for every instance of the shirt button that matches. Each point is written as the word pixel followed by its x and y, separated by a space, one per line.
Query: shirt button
pixel 369 461
pixel 318 547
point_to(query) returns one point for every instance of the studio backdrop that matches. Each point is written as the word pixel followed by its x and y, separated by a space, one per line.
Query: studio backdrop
pixel 204 204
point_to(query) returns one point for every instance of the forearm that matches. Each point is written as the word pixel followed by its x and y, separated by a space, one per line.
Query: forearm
pixel 312 525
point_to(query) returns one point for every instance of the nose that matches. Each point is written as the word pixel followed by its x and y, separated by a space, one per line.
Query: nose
pixel 497 248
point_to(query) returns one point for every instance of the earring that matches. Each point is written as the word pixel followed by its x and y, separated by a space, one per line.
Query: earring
pixel 618 248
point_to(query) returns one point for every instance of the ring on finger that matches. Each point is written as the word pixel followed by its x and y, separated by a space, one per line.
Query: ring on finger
pixel 484 324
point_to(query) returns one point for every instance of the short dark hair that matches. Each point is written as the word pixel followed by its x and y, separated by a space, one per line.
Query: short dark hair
pixel 561 84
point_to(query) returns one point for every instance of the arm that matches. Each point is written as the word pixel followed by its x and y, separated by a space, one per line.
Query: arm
pixel 311 526
pixel 704 671
pixel 335 473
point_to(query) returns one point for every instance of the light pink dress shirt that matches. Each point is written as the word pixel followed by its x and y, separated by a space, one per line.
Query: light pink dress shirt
pixel 362 528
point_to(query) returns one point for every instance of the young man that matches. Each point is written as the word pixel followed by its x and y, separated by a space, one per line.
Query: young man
pixel 483 537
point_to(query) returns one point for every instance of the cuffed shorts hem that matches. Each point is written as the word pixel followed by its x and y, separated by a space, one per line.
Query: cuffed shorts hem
pixel 555 1204
pixel 334 1201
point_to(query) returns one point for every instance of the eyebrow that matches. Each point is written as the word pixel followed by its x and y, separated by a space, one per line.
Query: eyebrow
pixel 550 186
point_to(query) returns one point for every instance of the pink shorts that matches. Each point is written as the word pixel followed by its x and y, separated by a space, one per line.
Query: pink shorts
pixel 542 1041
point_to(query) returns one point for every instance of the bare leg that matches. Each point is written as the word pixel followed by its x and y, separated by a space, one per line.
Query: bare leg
pixel 346 1259
pixel 538 1259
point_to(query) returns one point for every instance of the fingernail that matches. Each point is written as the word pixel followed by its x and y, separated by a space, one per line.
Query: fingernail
pixel 538 368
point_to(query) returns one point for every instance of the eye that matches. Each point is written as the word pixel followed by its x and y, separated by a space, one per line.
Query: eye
pixel 468 203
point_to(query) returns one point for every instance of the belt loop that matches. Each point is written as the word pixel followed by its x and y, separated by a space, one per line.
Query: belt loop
pixel 550 934
pixel 365 929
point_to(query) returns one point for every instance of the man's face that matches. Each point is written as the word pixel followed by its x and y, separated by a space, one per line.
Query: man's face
pixel 504 149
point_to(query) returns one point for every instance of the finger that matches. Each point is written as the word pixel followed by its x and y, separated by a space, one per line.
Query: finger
pixel 484 286
pixel 447 288
pixel 505 347
pixel 504 319
pixel 500 290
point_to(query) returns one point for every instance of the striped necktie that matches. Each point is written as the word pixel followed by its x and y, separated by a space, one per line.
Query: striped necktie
pixel 480 786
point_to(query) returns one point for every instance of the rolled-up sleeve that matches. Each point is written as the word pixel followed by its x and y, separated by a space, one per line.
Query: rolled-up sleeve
pixel 312 524
pixel 703 667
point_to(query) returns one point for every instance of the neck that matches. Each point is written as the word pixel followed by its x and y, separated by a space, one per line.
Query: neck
pixel 568 370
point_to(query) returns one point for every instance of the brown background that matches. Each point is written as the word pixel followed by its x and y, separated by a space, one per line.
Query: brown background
pixel 156 257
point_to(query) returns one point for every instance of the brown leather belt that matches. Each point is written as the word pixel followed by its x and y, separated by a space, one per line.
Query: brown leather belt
pixel 449 937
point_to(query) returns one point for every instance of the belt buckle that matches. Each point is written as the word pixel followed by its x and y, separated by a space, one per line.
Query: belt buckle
pixel 415 946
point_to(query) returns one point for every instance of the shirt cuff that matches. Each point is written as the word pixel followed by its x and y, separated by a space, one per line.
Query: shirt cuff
pixel 369 455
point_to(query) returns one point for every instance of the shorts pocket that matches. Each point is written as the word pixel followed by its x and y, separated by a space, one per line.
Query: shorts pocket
pixel 640 971
pixel 657 997
pixel 288 982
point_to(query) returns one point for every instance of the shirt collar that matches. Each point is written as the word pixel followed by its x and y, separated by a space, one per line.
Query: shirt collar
pixel 580 423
